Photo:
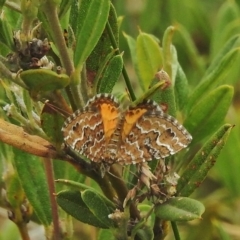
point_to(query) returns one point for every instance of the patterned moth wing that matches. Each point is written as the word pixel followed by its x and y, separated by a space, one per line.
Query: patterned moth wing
pixel 148 133
pixel 89 131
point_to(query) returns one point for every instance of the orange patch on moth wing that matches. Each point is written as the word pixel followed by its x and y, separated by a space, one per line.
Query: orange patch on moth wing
pixel 110 116
pixel 131 117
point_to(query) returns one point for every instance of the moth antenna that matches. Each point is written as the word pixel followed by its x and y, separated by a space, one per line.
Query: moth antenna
pixel 57 109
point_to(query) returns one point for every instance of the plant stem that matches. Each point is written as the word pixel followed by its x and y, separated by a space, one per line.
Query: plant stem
pixel 51 185
pixel 22 227
pixel 175 231
pixel 50 10
pixel 124 72
pixel 121 190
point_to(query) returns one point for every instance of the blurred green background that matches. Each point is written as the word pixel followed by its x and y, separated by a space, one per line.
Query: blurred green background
pixel 202 29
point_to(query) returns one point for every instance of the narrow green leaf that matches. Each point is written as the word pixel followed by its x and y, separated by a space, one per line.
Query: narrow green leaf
pixel 64 170
pixel 166 98
pixel 202 162
pixel 102 66
pixel 29 105
pixel 232 43
pixel 52 122
pixel 64 7
pixel 103 48
pixel 111 74
pixel 214 79
pixel 99 206
pixel 75 185
pixel 92 18
pixel 180 209
pixel 167 51
pixel 181 88
pixel 174 63
pixel 6 36
pixel 4 49
pixel 73 18
pixel 14 191
pixel 228 163
pixel 44 80
pixel 73 204
pixel 132 44
pixel 149 59
pixel 33 181
pixel 208 115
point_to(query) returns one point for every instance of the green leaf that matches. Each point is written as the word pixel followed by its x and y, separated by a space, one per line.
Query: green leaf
pixel 4 49
pixel 100 69
pixel 64 170
pixel 73 17
pixel 83 187
pixel 232 43
pixel 168 53
pixel 29 105
pixel 181 89
pixel 104 47
pixel 214 78
pixel 180 209
pixel 52 122
pixel 6 33
pixel 33 181
pixel 99 206
pixel 14 191
pixel 111 74
pixel 44 80
pixel 166 97
pixel 132 44
pixel 64 7
pixel 74 184
pixel 73 204
pixel 202 162
pixel 208 115
pixel 228 164
pixel 149 59
pixel 92 18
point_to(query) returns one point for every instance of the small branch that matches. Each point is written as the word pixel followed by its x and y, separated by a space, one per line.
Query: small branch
pixel 175 231
pixel 17 137
pixel 50 11
pixel 22 227
pixel 51 185
pixel 160 228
